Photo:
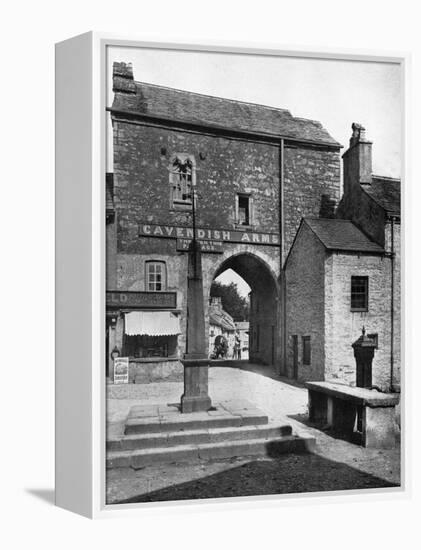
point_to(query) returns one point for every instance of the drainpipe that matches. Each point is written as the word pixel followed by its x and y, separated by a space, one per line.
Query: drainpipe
pixel 392 300
pixel 281 261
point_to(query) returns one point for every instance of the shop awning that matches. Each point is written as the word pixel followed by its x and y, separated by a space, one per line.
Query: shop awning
pixel 151 323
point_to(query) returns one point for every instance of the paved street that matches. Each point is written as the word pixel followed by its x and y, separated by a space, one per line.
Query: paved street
pixel 335 464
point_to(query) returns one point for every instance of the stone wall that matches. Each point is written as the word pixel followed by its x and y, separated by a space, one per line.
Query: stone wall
pixel 311 176
pixel 343 326
pixel 224 167
pixel 356 205
pixel 305 304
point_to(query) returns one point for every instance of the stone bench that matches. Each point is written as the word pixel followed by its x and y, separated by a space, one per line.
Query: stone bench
pixel 338 406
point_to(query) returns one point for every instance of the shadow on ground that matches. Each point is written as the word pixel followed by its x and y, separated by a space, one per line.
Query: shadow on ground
pixel 292 473
pixel 47 495
pixel 355 437
pixel 264 370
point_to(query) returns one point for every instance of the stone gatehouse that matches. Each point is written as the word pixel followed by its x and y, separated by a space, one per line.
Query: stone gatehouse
pixel 256 170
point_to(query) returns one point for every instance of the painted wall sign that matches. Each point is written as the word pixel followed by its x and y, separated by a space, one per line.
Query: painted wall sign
pixel 142 299
pixel 223 235
pixel 214 247
pixel 121 370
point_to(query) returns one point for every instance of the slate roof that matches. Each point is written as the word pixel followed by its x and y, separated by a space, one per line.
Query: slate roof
pixel 386 192
pixel 210 111
pixel 342 235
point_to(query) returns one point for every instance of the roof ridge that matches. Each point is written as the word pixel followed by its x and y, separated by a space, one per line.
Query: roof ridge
pixel 328 219
pixel 283 110
pixel 388 178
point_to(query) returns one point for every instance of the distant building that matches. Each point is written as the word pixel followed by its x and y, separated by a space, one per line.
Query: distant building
pixel 243 328
pixel 343 274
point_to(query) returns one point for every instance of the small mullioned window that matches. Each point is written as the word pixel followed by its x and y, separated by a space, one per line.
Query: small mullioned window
pixel 182 180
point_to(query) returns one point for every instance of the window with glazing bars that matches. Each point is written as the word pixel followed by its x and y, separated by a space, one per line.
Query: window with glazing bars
pixel 155 276
pixel 359 293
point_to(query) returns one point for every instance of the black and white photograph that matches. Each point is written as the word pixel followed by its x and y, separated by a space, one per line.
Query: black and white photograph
pixel 253 275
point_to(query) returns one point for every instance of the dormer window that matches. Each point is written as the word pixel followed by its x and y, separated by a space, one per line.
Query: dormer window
pixel 182 179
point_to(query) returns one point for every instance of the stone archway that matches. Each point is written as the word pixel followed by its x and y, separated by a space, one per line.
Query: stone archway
pixel 264 341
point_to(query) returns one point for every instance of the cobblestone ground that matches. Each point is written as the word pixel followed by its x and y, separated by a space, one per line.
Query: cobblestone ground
pixel 335 464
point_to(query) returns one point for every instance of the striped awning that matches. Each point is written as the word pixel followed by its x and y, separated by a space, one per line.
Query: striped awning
pixel 151 323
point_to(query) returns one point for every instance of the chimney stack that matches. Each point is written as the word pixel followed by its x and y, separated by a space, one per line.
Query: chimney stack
pixel 357 159
pixel 123 80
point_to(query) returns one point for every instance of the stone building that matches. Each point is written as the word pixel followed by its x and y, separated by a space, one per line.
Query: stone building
pixel 344 274
pixel 257 171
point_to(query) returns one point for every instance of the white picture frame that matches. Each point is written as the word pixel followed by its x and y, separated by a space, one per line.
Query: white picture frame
pixel 80 264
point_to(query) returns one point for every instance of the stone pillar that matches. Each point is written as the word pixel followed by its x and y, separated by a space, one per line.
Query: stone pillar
pixel 195 397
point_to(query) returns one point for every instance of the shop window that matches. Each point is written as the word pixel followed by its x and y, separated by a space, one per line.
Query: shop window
pixel 359 293
pixel 182 180
pixel 243 209
pixel 306 350
pixel 142 347
pixel 155 276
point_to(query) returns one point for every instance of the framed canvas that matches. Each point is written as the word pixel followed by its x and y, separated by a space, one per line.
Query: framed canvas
pixel 229 321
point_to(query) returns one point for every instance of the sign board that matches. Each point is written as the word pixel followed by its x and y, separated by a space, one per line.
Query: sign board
pixel 153 300
pixel 121 370
pixel 222 235
pixel 206 246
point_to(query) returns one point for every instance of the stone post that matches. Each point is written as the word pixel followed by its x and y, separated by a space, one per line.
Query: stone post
pixel 364 352
pixel 196 363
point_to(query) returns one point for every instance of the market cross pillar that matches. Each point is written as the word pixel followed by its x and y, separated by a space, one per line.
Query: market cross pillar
pixel 196 363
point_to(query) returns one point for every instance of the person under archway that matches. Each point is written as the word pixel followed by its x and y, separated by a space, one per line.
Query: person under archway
pixel 237 346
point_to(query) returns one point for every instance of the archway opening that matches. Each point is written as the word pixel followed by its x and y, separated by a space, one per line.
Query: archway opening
pixel 229 309
pixel 258 287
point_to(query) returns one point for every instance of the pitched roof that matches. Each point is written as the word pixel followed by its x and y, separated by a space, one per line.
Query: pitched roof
pixel 343 235
pixel 221 319
pixel 184 106
pixel 386 192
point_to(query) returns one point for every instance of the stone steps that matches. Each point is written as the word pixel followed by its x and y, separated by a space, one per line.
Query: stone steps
pixel 271 447
pixel 171 422
pixel 198 436
pixel 159 434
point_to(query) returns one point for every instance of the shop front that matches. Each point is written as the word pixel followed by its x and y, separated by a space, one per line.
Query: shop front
pixel 144 327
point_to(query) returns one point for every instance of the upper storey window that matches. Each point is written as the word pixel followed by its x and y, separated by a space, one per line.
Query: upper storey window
pixel 359 293
pixel 244 211
pixel 182 180
pixel 155 276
